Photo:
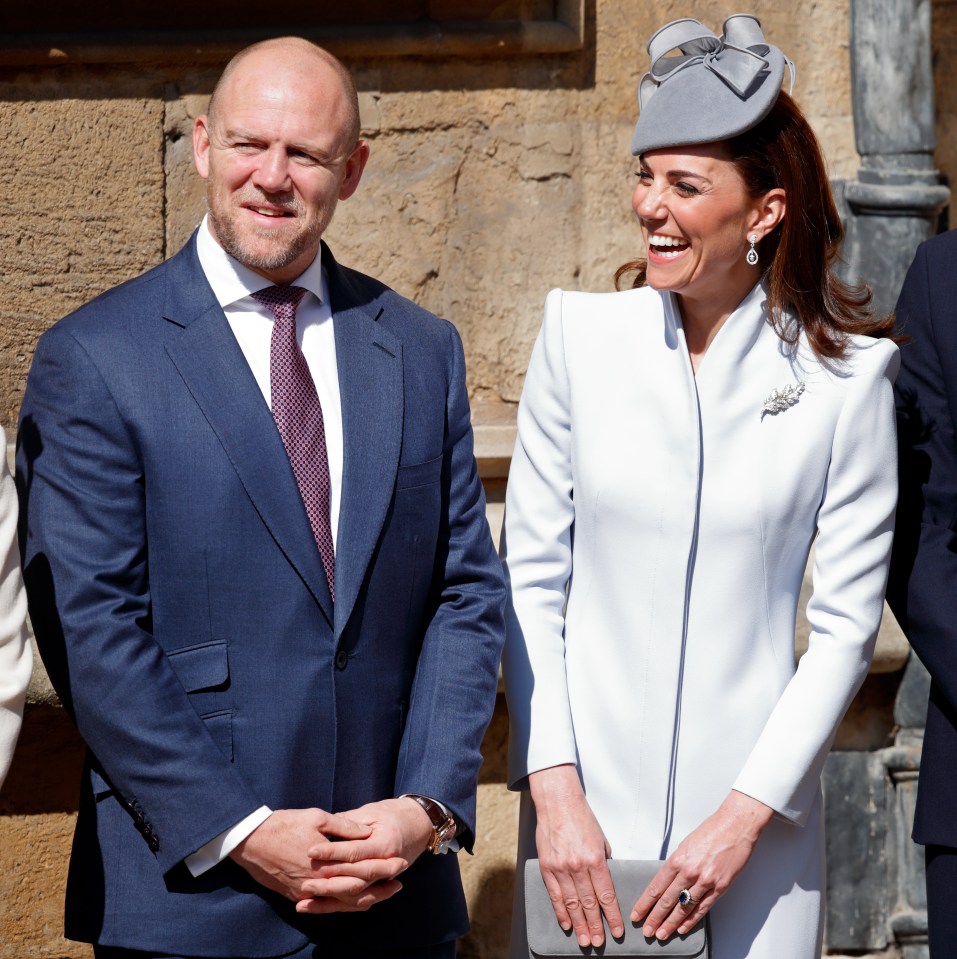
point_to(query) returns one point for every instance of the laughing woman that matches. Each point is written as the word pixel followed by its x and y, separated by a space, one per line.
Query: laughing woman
pixel 680 446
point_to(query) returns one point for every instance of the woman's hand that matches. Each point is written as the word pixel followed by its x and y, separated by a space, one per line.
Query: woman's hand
pixel 705 864
pixel 572 850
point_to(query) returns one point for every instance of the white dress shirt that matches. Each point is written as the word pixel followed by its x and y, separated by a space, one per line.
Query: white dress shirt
pixel 252 323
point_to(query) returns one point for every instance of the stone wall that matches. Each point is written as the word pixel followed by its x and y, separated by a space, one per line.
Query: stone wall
pixel 492 179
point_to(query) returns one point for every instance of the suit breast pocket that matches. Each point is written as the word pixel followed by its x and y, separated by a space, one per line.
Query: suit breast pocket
pixel 419 474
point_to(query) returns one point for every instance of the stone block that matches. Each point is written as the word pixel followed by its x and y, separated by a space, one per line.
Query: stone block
pixel 869 721
pixel 81 204
pixel 855 814
pixel 457 223
pixel 910 708
pixel 185 189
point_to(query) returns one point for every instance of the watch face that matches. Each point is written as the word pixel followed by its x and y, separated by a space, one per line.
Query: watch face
pixel 443 835
pixel 446 832
pixel 443 825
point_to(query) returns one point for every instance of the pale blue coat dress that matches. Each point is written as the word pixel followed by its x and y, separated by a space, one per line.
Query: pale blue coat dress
pixel 646 504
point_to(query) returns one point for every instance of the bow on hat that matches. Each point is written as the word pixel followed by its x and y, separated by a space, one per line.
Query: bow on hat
pixel 739 58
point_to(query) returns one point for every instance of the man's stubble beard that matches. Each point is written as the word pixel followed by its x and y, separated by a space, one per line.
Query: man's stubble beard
pixel 281 255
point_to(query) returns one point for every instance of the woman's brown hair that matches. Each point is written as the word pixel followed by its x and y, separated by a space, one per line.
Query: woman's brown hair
pixel 800 253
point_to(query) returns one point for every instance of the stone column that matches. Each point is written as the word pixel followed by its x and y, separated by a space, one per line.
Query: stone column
pixel 896 200
pixel 876 897
pixel 906 896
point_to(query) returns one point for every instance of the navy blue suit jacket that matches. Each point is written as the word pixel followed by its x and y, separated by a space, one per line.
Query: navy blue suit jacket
pixel 181 608
pixel 922 589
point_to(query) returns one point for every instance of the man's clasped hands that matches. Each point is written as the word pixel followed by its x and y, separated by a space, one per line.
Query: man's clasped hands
pixel 336 862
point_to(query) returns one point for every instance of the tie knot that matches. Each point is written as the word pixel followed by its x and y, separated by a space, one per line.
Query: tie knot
pixel 281 301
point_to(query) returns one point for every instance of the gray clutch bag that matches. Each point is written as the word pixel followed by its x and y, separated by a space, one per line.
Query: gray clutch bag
pixel 547 939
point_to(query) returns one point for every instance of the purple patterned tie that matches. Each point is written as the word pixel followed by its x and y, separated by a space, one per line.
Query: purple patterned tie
pixel 298 415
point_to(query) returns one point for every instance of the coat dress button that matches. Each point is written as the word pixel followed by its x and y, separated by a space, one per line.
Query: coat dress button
pixel 342 658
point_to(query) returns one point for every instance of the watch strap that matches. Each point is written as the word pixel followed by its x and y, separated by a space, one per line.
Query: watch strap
pixel 444 826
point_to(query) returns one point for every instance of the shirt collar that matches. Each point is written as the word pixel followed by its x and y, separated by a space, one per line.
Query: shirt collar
pixel 232 281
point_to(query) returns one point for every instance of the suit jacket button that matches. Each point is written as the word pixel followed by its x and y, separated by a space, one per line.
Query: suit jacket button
pixel 342 658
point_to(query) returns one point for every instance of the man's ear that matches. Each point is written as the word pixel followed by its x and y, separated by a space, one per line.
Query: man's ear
pixel 201 145
pixel 354 167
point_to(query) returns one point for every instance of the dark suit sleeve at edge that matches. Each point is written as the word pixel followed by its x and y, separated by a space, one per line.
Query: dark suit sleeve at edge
pixel 457 673
pixel 923 574
pixel 83 535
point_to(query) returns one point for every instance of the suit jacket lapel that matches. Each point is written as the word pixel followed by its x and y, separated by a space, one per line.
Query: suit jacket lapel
pixel 369 359
pixel 217 375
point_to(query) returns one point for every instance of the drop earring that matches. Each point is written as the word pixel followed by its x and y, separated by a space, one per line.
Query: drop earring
pixel 752 255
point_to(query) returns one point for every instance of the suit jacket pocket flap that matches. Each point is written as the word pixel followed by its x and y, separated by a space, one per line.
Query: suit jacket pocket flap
pixel 201 667
pixel 630 876
pixel 419 474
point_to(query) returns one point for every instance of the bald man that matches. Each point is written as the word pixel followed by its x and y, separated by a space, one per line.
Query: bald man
pixel 259 569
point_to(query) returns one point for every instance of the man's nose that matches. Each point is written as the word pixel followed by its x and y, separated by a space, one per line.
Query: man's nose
pixel 272 171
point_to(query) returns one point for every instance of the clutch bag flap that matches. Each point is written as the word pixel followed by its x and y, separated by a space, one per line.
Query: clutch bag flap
pixel 546 938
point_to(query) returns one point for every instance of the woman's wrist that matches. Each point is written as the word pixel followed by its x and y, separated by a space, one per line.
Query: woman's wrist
pixel 751 815
pixel 555 783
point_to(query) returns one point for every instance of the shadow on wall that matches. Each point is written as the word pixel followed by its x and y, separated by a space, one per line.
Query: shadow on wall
pixel 148 63
pixel 45 775
pixel 490 932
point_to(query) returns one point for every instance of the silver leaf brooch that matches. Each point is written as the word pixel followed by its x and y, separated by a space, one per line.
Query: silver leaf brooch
pixel 783 399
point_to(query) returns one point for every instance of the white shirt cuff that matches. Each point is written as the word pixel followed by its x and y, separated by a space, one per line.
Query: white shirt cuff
pixel 216 850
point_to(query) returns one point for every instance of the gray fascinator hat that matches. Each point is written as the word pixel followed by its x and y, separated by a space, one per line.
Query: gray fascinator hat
pixel 716 88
